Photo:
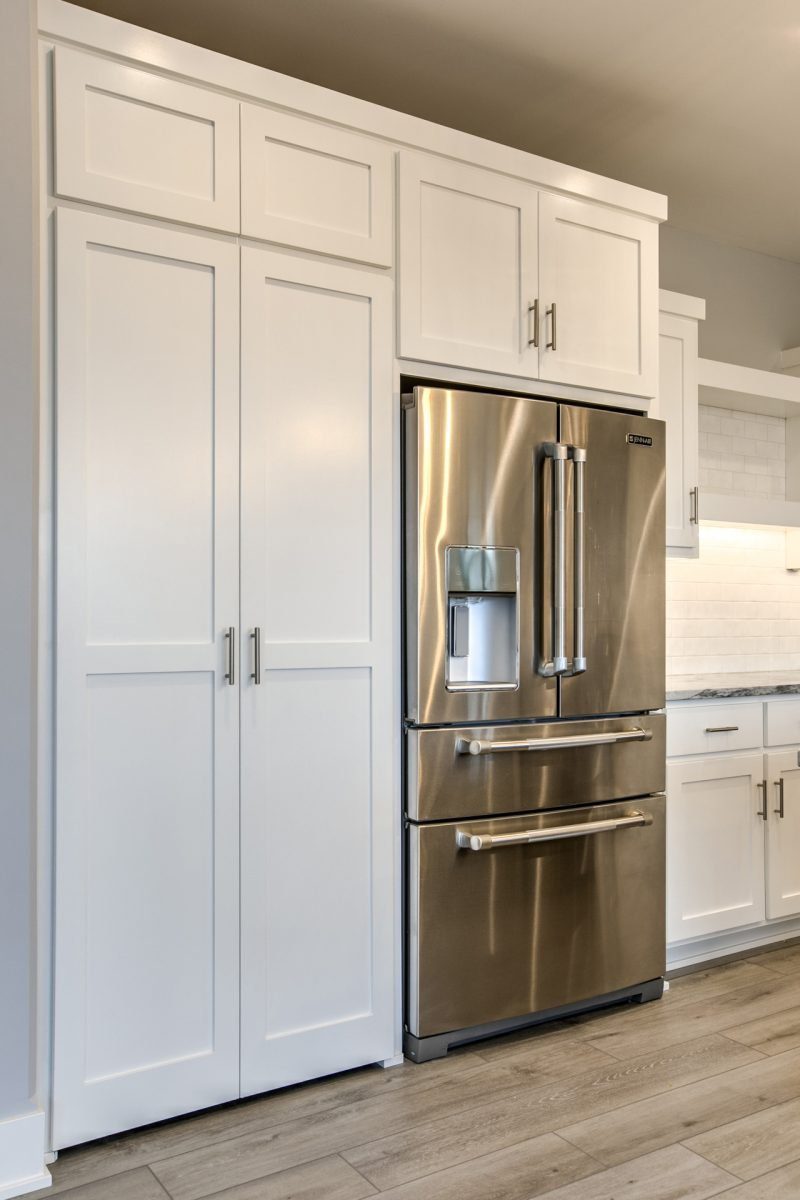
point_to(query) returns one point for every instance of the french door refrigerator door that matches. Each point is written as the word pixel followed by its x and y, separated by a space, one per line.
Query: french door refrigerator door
pixel 614 563
pixel 478 492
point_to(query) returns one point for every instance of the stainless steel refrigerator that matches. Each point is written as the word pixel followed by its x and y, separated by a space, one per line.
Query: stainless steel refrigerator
pixel 534 754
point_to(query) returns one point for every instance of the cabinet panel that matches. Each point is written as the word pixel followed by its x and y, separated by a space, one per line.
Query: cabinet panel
pixel 715 845
pixel 146 964
pixel 309 185
pixel 599 269
pixel 467 266
pixel 677 405
pixel 783 834
pixel 319 799
pixel 316 411
pixel 131 139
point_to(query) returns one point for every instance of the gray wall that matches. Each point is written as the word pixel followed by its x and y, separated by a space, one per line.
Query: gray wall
pixel 752 300
pixel 19 237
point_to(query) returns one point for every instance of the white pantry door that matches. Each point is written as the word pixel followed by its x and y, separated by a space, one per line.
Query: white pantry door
pixel 146 969
pixel 319 801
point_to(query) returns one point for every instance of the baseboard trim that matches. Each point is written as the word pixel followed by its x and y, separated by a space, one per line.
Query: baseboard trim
pixel 22 1167
pixel 735 944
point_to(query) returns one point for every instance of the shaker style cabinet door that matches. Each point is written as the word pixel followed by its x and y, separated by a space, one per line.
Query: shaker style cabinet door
pixel 467 267
pixel 677 406
pixel 319 765
pixel 131 139
pixel 147 741
pixel 313 186
pixel 598 291
pixel 783 834
pixel 715 844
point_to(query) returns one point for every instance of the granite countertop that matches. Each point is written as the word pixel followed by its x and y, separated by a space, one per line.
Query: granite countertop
pixel 717 687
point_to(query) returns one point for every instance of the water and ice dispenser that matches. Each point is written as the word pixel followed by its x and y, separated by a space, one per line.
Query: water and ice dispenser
pixel 482 617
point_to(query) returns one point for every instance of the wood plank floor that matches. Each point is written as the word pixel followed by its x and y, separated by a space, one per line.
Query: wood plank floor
pixel 696 1095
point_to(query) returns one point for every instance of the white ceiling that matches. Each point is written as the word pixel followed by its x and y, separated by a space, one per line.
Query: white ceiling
pixel 696 98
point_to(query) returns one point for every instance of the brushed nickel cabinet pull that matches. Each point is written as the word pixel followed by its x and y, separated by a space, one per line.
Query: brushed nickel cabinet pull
pixel 762 812
pixel 230 638
pixel 551 313
pixel 534 308
pixel 255 637
pixel 779 809
pixel 694 515
pixel 722 729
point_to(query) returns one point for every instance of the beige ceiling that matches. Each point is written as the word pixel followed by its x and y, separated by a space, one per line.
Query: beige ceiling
pixel 696 98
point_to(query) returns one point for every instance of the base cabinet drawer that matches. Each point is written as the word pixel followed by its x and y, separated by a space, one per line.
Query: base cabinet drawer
pixel 715 845
pixel 782 722
pixel 714 728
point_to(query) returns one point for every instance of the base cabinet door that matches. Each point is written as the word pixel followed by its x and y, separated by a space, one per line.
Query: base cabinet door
pixel 783 834
pixel 318 761
pixel 467 265
pixel 715 845
pixel 598 291
pixel 146 1003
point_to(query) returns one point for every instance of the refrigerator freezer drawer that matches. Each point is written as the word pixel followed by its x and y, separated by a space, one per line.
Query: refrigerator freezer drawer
pixel 488 770
pixel 523 914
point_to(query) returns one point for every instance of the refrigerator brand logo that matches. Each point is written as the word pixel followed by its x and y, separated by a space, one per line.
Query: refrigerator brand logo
pixel 639 439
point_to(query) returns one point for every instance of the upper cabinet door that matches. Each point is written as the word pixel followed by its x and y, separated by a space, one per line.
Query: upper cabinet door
pixel 133 140
pixel 677 405
pixel 309 185
pixel 598 291
pixel 147 745
pixel 467 267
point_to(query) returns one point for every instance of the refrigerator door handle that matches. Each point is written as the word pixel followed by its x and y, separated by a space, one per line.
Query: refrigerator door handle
pixel 557 833
pixel 559 664
pixel 578 456
pixel 475 746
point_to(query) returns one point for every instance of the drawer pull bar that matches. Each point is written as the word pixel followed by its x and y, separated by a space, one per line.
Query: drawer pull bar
pixel 475 746
pixel 722 729
pixel 762 811
pixel 558 833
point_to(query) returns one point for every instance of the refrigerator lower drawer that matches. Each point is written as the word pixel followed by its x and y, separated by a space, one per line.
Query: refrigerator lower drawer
pixel 480 770
pixel 522 914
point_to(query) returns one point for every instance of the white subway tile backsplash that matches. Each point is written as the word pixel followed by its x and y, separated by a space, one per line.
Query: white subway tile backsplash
pixel 736 607
pixel 742 454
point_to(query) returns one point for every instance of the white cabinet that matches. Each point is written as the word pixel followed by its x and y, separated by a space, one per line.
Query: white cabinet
pixel 733 819
pixel 677 404
pixel 715 844
pixel 131 139
pixel 598 291
pixel 187 775
pixel 319 803
pixel 310 185
pixel 147 748
pixel 783 834
pixel 496 275
pixel 468 266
